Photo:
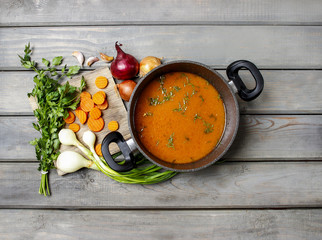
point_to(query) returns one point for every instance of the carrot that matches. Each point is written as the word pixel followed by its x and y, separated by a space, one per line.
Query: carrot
pixel 99 97
pixel 87 104
pixel 103 93
pixel 74 127
pixel 85 94
pixel 113 125
pixel 98 149
pixel 95 125
pixel 95 113
pixel 82 116
pixel 70 118
pixel 101 82
pixel 104 105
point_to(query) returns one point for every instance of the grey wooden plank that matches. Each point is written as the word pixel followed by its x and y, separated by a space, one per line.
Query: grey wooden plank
pixel 227 185
pixel 260 138
pixel 220 224
pixel 81 12
pixel 285 92
pixel 280 47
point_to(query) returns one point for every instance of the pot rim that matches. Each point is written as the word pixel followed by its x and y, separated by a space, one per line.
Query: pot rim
pixel 132 104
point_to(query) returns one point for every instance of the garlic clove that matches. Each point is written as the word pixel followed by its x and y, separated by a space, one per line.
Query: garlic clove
pixel 79 56
pixel 106 58
pixel 91 60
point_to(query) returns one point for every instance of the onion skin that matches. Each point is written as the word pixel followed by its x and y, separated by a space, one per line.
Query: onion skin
pixel 147 64
pixel 124 66
pixel 126 89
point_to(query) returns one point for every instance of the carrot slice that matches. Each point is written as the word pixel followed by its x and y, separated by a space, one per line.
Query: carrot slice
pixel 104 105
pixel 82 116
pixel 85 94
pixel 103 93
pixel 113 125
pixel 74 127
pixel 99 97
pixel 70 118
pixel 101 82
pixel 95 113
pixel 87 104
pixel 95 125
pixel 98 149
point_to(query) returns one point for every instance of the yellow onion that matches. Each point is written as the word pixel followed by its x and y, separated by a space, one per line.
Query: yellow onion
pixel 147 64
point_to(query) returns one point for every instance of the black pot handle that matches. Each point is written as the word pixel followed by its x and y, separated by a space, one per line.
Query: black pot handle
pixel 125 149
pixel 243 91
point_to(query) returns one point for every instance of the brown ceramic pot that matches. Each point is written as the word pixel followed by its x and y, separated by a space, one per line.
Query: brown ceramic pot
pixel 227 91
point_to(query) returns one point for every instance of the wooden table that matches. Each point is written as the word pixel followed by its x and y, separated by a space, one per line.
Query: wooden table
pixel 270 187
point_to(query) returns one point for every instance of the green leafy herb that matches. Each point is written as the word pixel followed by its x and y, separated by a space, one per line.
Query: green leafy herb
pixel 46 62
pixel 170 141
pixel 202 99
pixel 57 61
pixel 53 100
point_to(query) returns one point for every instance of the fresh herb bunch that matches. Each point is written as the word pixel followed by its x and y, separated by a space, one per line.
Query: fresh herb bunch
pixel 53 100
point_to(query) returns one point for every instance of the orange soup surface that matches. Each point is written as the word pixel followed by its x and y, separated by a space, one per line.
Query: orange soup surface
pixel 179 117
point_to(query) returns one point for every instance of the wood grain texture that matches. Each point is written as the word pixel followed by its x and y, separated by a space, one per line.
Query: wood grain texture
pixel 228 185
pixel 81 12
pixel 140 225
pixel 115 112
pixel 260 138
pixel 280 47
pixel 285 92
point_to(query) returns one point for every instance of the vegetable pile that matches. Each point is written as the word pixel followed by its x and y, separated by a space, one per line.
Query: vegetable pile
pixel 55 105
pixel 53 100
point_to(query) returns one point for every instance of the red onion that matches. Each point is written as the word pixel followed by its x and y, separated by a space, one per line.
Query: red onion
pixel 125 89
pixel 124 66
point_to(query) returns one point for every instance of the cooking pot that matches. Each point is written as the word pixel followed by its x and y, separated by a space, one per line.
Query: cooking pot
pixel 227 91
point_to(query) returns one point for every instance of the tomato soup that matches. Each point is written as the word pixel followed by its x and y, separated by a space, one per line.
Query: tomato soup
pixel 179 117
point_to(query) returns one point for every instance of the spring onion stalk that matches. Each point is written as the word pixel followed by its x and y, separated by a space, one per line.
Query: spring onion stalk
pixel 144 174
pixel 70 161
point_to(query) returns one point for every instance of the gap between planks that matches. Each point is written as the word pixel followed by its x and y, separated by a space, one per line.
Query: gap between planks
pixel 160 23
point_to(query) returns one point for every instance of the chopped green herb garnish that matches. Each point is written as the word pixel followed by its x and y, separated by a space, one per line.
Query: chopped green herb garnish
pixel 147 114
pixel 182 108
pixel 193 92
pixel 212 116
pixel 197 116
pixel 179 109
pixel 209 127
pixel 142 129
pixel 219 97
pixel 176 88
pixel 170 141
pixel 161 80
pixel 202 99
pixel 188 139
pixel 154 101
